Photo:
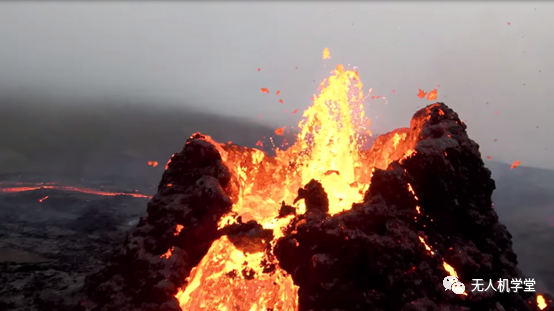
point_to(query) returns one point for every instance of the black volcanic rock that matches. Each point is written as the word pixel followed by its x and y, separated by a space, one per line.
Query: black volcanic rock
pixel 315 197
pixel 194 192
pixel 371 257
pixel 549 300
pixel 248 237
pixel 286 210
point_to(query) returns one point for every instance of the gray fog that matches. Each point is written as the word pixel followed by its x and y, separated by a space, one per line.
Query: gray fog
pixel 491 60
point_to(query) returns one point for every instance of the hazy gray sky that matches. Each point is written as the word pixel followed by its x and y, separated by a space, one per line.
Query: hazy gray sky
pixel 207 55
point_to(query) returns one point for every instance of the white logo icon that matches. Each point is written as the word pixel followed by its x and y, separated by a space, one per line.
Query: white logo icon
pixel 458 288
pixel 448 281
pixel 452 283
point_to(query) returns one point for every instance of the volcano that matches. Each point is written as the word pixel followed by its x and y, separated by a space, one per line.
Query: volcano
pixel 323 225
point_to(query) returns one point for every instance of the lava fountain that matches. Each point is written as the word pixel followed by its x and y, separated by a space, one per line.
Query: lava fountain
pixel 327 149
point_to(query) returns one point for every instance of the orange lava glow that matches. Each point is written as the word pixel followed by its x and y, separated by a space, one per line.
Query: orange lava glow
pixel 73 189
pixel 42 200
pixel 167 254
pixel 432 95
pixel 153 163
pixel 448 268
pixel 421 93
pixel 541 302
pixel 427 247
pixel 515 164
pixel 178 229
pixel 326 53
pixel 169 161
pixel 328 148
pixel 211 288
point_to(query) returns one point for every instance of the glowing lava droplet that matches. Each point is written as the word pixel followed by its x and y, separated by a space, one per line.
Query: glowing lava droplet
pixel 326 53
pixel 432 95
pixel 541 302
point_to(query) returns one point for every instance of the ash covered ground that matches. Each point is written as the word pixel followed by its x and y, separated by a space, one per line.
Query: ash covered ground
pixel 47 248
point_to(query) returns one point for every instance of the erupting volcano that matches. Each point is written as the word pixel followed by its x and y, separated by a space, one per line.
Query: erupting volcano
pixel 322 225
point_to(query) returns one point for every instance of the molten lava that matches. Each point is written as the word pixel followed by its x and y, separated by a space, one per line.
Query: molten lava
pixel 328 149
pixel 541 302
pixel 326 53
pixel 27 187
pixel 432 95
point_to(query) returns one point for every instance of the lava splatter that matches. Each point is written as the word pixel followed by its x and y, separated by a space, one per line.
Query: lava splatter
pixel 326 53
pixel 432 95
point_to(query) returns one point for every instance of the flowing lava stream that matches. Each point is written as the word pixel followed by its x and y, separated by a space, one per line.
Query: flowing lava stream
pixel 68 188
pixel 328 149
